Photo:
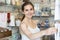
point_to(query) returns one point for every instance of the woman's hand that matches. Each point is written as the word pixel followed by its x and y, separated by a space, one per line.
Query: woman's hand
pixel 51 31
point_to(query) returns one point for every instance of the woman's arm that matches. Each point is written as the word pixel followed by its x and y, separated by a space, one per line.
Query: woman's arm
pixel 30 35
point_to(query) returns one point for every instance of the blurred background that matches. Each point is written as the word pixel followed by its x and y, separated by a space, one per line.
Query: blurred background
pixel 11 15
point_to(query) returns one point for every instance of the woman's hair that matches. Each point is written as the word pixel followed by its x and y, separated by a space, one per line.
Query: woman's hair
pixel 24 4
pixel 23 17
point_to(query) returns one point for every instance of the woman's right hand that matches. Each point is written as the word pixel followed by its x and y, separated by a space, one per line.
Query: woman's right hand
pixel 51 31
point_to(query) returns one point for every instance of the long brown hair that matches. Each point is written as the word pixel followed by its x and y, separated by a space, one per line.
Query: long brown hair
pixel 23 17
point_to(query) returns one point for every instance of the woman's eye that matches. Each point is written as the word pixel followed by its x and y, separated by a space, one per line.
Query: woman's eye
pixel 26 10
pixel 31 9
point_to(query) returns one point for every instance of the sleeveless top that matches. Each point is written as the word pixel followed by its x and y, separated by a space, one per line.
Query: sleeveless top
pixel 35 30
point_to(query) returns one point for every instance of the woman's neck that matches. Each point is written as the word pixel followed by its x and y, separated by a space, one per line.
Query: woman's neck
pixel 28 19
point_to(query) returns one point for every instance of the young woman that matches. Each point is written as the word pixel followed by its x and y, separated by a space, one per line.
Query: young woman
pixel 28 28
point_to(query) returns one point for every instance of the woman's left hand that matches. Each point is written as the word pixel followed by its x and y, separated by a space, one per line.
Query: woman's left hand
pixel 51 31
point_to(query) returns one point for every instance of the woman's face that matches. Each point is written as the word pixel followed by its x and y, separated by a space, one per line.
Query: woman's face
pixel 28 11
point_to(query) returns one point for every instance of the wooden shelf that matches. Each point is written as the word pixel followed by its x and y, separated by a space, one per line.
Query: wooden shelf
pixel 6 33
pixel 44 16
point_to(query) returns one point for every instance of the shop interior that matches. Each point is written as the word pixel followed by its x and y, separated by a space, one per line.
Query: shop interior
pixel 11 14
